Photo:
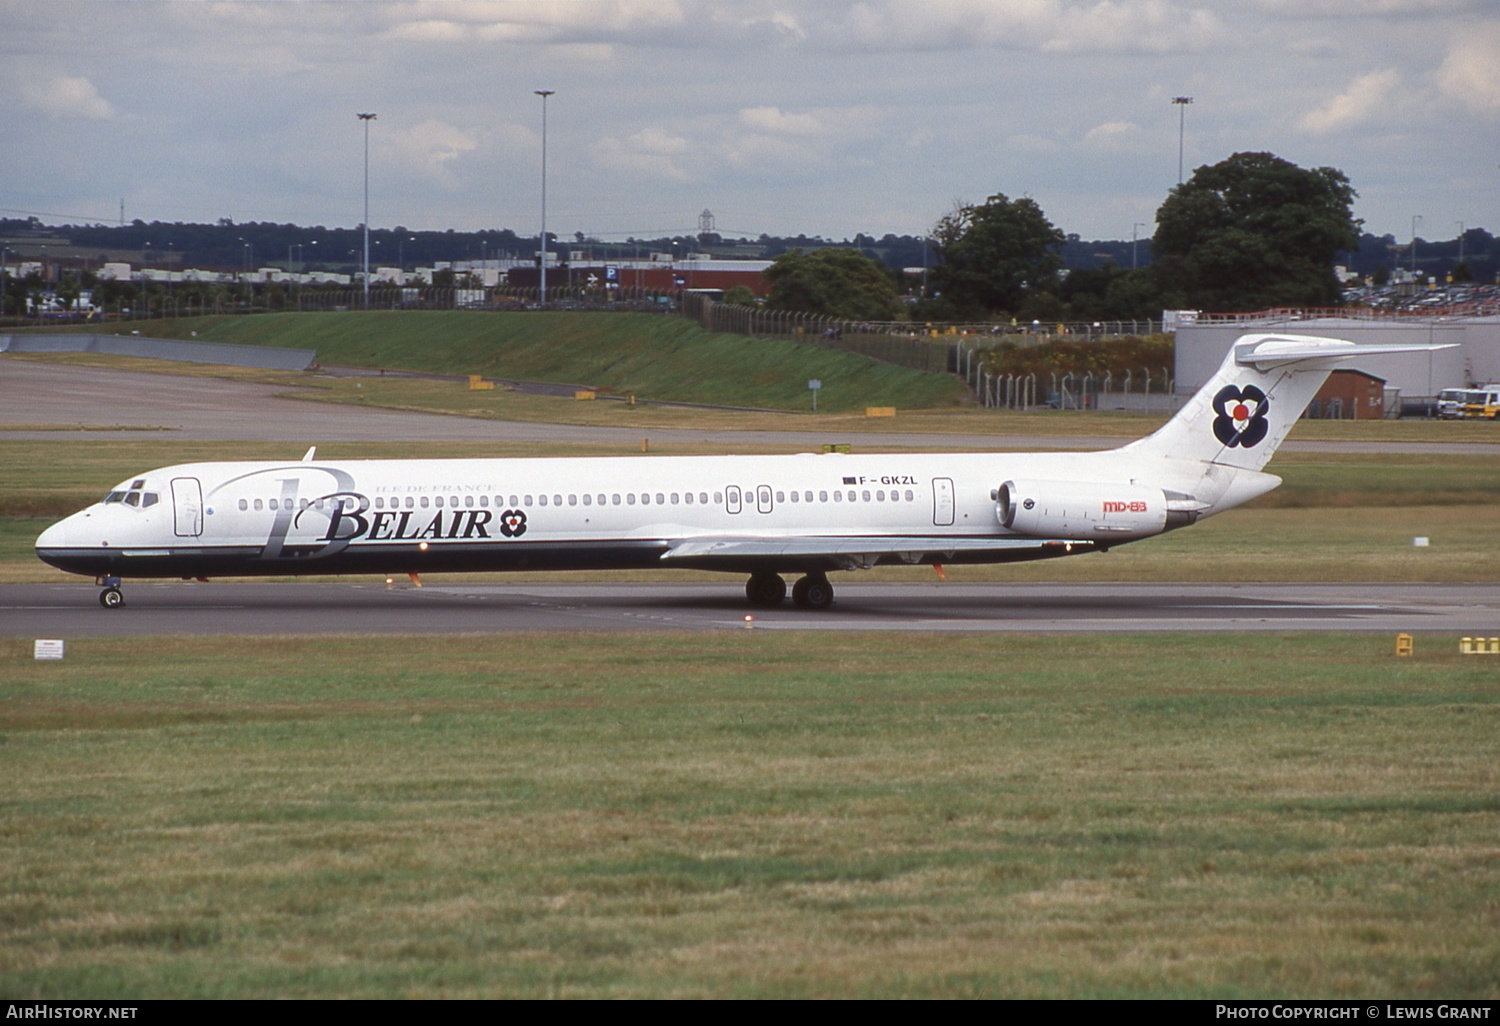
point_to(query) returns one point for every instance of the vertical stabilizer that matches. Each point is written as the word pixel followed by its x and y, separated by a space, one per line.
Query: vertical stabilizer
pixel 1244 412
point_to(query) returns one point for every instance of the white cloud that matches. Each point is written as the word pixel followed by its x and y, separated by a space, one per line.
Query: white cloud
pixel 1367 97
pixel 652 152
pixel 1114 137
pixel 772 119
pixel 1471 71
pixel 63 96
pixel 1048 26
pixel 429 150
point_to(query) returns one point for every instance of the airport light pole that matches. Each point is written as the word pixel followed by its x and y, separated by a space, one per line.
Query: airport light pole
pixel 1182 105
pixel 544 93
pixel 1134 261
pixel 1414 219
pixel 367 118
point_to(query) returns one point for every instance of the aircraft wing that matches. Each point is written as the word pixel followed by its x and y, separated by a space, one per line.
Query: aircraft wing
pixel 851 552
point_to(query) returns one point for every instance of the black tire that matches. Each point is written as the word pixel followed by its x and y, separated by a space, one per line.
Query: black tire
pixel 813 592
pixel 111 598
pixel 765 591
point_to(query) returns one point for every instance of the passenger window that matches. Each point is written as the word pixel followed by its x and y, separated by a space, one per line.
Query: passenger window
pixel 557 500
pixel 909 496
pixel 422 502
pixel 244 505
pixel 703 498
pixel 688 498
pixel 587 499
pixel 601 498
pixel 718 498
pixel 572 499
pixel 661 500
pixel 259 505
pixel 780 497
pixel 526 500
pixel 879 496
pixel 838 496
pixel 866 495
pixel 674 498
pixel 484 500
pixel 822 496
pixel 615 498
pixel 515 500
pixel 542 500
pixel 630 498
pixel 795 498
pixel 273 505
pixel 468 500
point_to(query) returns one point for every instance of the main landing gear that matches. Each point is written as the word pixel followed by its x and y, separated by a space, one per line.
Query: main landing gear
pixel 111 597
pixel 765 591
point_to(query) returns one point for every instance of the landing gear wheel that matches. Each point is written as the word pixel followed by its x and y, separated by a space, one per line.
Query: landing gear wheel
pixel 111 598
pixel 765 591
pixel 813 592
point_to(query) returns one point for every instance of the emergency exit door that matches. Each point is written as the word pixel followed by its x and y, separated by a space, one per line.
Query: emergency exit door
pixel 942 501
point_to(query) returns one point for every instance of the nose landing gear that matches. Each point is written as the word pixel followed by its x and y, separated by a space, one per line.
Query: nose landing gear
pixel 111 597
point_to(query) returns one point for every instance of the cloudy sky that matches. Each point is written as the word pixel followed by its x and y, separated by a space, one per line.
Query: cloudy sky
pixel 780 116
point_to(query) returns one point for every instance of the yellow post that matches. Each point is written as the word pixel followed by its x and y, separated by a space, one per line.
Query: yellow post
pixel 645 445
pixel 1403 644
pixel 880 411
pixel 586 394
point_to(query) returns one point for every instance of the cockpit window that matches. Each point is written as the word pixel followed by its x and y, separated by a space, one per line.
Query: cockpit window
pixel 134 496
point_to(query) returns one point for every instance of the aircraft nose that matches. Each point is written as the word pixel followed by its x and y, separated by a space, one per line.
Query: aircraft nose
pixel 54 537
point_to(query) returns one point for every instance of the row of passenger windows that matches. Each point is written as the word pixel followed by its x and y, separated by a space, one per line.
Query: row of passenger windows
pixel 600 499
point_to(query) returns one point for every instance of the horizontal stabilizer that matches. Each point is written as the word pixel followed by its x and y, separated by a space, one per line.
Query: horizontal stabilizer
pixel 1265 352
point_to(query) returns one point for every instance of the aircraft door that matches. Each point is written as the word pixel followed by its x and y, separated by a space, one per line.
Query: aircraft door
pixel 763 498
pixel 187 507
pixel 732 498
pixel 942 501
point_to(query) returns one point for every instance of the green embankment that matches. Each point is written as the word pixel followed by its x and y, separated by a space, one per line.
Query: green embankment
pixel 651 356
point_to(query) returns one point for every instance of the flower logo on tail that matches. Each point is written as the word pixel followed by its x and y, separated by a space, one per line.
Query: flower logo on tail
pixel 1240 415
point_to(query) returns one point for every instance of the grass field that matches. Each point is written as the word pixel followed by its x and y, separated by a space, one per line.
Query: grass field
pixel 653 356
pixel 750 815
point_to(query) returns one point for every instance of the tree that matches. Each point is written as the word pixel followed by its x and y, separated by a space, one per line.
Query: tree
pixel 995 255
pixel 833 283
pixel 1252 232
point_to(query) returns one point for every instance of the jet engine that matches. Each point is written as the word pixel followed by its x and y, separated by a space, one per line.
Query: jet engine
pixel 1081 510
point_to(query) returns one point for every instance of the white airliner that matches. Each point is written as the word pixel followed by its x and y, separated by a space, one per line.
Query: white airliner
pixel 758 515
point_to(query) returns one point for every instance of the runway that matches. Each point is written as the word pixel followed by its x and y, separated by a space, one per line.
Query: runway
pixel 172 407
pixel 307 608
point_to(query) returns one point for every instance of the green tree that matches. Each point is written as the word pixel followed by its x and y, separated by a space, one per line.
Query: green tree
pixel 1252 232
pixel 833 283
pixel 739 295
pixel 996 255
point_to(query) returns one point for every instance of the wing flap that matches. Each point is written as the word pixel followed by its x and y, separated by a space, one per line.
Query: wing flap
pixel 864 551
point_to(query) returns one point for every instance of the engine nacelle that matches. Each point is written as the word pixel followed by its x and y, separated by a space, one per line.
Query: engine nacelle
pixel 1081 510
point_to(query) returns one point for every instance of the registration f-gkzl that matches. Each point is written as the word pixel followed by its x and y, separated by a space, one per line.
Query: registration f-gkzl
pixel 764 516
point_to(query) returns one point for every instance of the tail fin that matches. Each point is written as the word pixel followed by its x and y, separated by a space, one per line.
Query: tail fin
pixel 1240 417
